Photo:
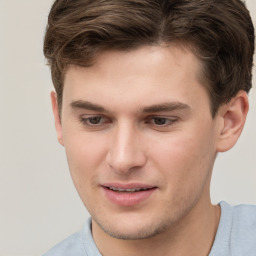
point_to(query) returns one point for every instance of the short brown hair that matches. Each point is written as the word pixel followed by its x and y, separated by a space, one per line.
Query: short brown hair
pixel 219 32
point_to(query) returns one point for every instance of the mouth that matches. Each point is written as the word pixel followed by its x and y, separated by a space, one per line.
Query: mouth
pixel 128 190
pixel 128 195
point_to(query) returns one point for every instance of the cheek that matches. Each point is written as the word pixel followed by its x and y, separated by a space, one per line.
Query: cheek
pixel 83 161
pixel 85 155
pixel 84 149
pixel 185 167
pixel 184 160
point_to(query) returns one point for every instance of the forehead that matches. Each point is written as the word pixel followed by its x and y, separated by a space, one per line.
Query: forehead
pixel 167 58
pixel 150 73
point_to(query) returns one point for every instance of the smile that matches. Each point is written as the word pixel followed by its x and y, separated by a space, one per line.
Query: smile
pixel 128 195
pixel 128 190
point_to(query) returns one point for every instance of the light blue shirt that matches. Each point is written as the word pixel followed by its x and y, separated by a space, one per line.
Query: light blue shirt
pixel 236 235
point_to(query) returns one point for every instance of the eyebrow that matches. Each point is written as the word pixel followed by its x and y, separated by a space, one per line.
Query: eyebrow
pixel 163 107
pixel 87 105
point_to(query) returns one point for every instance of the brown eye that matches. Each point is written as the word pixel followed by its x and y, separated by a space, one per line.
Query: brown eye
pixel 160 120
pixel 94 120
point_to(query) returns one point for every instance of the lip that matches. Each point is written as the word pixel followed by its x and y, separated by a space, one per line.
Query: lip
pixel 128 198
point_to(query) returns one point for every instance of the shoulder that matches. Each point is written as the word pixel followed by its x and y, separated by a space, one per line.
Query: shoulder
pixel 242 215
pixel 243 235
pixel 244 226
pixel 236 234
pixel 68 247
pixel 245 215
pixel 78 244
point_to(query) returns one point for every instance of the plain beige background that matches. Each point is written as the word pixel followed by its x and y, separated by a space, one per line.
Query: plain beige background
pixel 38 203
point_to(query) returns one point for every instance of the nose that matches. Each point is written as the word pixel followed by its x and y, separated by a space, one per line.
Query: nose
pixel 125 152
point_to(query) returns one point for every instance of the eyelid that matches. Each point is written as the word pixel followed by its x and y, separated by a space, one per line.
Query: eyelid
pixel 105 121
pixel 85 118
pixel 171 118
pixel 170 121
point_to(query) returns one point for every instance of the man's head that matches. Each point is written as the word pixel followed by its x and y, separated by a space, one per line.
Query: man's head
pixel 219 32
pixel 149 92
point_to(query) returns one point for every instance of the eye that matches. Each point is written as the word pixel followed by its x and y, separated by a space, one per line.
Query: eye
pixel 94 121
pixel 159 121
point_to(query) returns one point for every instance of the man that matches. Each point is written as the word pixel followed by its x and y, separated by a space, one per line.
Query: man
pixel 147 93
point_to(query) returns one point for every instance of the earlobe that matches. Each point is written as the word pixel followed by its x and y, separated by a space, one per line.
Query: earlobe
pixel 57 119
pixel 233 115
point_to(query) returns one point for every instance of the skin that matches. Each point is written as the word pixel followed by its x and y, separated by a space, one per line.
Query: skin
pixel 144 117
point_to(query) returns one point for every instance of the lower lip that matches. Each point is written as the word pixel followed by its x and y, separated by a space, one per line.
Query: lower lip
pixel 128 199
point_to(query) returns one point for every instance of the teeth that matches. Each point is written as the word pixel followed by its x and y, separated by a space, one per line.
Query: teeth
pixel 128 189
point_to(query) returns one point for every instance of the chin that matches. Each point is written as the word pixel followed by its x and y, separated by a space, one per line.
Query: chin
pixel 133 230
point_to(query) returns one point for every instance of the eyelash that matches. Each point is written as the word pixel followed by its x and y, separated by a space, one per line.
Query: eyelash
pixel 86 120
pixel 167 121
pixel 152 120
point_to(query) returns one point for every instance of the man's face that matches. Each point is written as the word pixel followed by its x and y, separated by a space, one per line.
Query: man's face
pixel 140 139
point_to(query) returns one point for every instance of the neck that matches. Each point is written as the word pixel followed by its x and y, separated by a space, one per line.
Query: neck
pixel 193 235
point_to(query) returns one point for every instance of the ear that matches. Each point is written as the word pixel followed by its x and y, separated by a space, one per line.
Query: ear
pixel 57 119
pixel 233 115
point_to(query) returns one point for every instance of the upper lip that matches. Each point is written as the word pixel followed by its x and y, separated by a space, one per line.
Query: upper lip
pixel 128 185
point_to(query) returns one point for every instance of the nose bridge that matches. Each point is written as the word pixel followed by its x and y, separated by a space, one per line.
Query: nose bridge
pixel 125 150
